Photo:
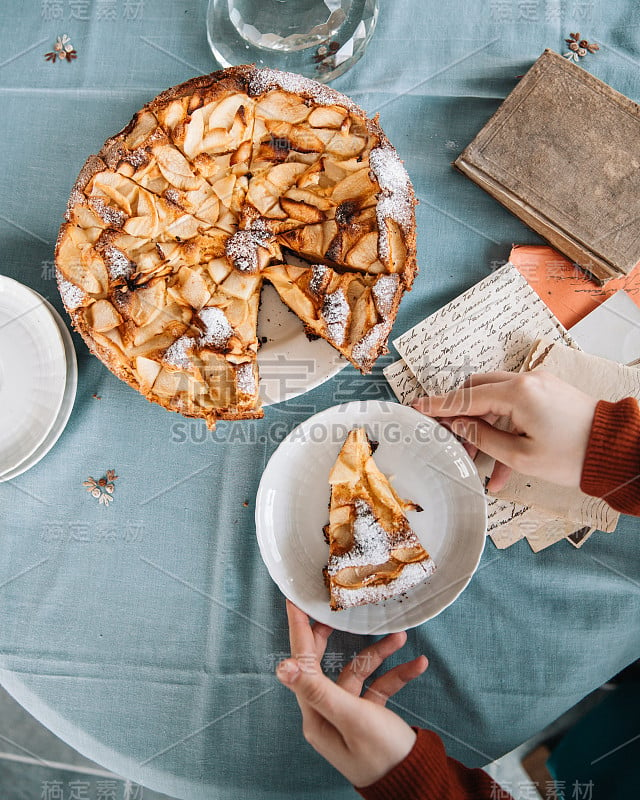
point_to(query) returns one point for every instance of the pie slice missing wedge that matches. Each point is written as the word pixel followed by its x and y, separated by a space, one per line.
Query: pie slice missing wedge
pixel 172 227
pixel 373 552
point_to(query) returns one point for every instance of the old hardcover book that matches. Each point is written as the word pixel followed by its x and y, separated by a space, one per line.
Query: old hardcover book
pixel 563 154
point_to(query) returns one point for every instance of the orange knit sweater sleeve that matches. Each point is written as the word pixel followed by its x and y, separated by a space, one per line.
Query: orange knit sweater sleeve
pixel 427 773
pixel 611 468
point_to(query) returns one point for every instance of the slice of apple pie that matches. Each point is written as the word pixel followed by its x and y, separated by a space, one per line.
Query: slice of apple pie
pixel 171 229
pixel 373 552
pixel 352 311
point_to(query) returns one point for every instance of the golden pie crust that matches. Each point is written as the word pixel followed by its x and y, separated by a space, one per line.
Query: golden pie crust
pixel 173 226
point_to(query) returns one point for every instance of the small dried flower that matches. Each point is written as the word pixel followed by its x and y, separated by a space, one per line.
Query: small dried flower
pixel 324 66
pixel 64 43
pixel 324 57
pixel 62 49
pixel 578 48
pixel 103 488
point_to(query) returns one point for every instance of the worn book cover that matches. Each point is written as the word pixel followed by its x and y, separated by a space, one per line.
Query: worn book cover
pixel 563 154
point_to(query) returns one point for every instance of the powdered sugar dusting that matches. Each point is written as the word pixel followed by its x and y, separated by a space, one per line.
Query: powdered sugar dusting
pixel 72 296
pixel 112 216
pixel 410 576
pixel 395 200
pixel 335 312
pixel 218 330
pixel 137 158
pixel 364 351
pixel 260 230
pixel 384 292
pixel 370 542
pixel 178 355
pixel 242 247
pixel 245 378
pixel 262 80
pixel 173 196
pixel 372 547
pixel 317 279
pixel 118 265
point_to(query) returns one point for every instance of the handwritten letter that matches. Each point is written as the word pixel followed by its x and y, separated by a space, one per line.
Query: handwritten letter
pixel 491 326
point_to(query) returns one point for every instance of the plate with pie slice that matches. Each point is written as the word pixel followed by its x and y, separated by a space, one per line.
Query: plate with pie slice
pixel 32 373
pixel 371 517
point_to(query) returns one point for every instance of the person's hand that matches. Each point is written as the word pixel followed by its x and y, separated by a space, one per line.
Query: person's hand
pixel 357 735
pixel 550 423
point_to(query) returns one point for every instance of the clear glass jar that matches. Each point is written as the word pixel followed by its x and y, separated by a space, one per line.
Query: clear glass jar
pixel 317 38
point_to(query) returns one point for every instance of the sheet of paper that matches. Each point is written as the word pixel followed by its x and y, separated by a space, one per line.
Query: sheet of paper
pixel 549 531
pixel 600 378
pixel 612 330
pixel 579 537
pixel 403 382
pixel 510 522
pixel 491 326
pixel 564 287
pixel 504 519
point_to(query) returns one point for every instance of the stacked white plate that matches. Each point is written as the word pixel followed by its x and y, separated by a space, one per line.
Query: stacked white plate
pixel 38 377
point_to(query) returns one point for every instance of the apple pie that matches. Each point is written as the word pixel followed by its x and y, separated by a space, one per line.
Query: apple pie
pixel 373 552
pixel 210 190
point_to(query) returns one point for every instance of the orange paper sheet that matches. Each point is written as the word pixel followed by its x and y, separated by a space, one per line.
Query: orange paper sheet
pixel 564 287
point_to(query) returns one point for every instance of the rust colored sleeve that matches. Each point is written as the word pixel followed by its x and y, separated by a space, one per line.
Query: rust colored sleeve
pixel 611 467
pixel 427 773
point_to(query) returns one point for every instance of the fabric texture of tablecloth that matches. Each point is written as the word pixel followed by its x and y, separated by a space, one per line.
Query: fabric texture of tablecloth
pixel 145 634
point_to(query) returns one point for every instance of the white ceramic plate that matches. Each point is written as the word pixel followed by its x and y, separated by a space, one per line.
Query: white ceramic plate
pixel 32 373
pixel 289 363
pixel 68 399
pixel 425 463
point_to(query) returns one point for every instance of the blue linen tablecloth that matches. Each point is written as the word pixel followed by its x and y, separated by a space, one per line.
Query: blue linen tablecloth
pixel 145 634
